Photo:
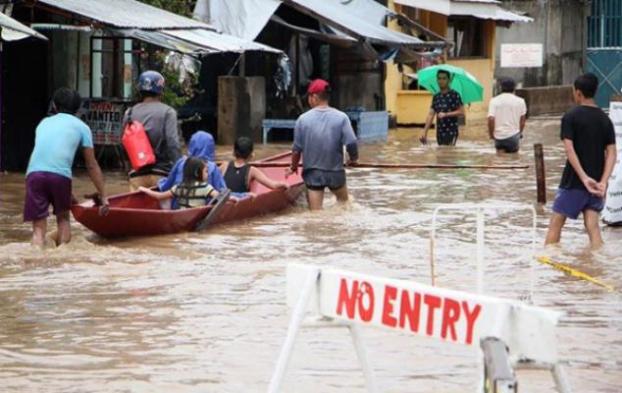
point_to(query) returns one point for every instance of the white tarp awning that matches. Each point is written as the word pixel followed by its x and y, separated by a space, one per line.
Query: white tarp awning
pixel 334 13
pixel 482 9
pixel 12 30
pixel 241 18
pixel 361 20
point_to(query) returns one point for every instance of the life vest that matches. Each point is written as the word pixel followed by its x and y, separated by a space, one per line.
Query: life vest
pixel 136 144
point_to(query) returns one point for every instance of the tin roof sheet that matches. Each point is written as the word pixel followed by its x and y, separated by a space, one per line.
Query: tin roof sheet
pixel 126 14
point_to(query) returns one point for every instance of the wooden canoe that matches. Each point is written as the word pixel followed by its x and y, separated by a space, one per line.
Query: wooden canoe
pixel 137 214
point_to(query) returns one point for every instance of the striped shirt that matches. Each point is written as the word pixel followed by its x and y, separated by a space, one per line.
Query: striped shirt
pixel 194 195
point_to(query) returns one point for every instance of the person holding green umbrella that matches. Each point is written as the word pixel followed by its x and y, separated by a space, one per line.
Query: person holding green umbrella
pixel 446 106
pixel 452 87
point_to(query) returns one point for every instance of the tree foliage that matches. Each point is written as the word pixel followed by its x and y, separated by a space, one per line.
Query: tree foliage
pixel 181 7
pixel 175 94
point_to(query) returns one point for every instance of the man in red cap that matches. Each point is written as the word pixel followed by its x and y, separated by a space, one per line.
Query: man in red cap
pixel 319 136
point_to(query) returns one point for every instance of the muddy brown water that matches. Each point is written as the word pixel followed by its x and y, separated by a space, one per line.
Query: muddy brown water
pixel 206 312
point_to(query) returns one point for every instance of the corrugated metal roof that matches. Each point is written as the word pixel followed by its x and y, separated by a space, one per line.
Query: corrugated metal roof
pixel 196 41
pixel 477 1
pixel 219 42
pixel 341 40
pixel 482 9
pixel 157 26
pixel 504 15
pixel 334 14
pixel 126 14
pixel 12 30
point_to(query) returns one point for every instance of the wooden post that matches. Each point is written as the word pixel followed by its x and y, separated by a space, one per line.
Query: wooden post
pixel 540 172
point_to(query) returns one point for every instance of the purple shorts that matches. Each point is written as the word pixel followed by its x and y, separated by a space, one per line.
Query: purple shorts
pixel 43 189
pixel 571 202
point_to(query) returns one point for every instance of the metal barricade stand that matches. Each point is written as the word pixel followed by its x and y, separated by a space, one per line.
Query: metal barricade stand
pixel 498 371
pixel 354 300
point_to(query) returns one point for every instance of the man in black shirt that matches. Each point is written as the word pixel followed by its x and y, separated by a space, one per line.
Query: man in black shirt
pixel 447 106
pixel 589 141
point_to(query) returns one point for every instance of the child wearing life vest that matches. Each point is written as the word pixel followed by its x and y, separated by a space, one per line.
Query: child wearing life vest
pixel 193 191
pixel 239 174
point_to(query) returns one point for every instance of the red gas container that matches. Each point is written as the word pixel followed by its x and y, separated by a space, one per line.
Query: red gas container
pixel 137 145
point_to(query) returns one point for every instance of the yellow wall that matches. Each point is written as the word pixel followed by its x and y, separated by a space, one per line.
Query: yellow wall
pixel 483 70
pixel 411 107
pixel 393 81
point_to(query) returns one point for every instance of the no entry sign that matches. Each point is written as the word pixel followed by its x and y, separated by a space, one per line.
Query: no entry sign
pixel 442 314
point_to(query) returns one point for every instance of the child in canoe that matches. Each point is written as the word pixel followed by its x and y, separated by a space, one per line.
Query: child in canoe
pixel 239 174
pixel 193 191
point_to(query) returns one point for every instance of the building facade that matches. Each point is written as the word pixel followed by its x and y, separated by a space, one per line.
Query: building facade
pixel 471 27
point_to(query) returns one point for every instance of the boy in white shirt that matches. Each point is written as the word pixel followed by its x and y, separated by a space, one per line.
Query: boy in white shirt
pixel 506 118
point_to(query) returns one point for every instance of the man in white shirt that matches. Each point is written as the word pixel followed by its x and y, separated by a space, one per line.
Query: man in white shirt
pixel 506 118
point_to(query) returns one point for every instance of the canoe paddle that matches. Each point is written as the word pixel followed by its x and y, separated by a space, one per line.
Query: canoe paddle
pixel 262 164
pixel 217 205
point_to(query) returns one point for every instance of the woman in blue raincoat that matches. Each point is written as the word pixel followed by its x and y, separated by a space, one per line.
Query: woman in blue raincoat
pixel 201 145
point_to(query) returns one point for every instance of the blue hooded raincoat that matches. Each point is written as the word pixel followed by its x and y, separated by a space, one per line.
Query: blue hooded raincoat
pixel 201 145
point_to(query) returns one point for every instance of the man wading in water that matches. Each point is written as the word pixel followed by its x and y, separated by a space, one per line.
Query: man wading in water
pixel 447 106
pixel 319 136
pixel 590 143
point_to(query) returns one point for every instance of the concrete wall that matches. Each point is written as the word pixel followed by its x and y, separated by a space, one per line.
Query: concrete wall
pixel 64 48
pixel 363 89
pixel 547 99
pixel 482 70
pixel 560 25
pixel 238 114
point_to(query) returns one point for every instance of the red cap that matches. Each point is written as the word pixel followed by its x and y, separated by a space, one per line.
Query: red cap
pixel 317 86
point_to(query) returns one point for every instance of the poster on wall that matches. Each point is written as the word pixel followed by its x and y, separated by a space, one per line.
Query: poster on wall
pixel 521 55
pixel 105 119
pixel 612 214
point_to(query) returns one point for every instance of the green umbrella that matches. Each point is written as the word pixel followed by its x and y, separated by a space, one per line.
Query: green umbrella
pixel 463 82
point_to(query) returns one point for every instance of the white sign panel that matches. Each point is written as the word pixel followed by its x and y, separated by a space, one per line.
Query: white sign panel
pixel 442 314
pixel 612 213
pixel 521 55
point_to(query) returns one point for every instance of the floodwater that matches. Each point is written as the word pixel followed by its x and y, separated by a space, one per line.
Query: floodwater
pixel 206 312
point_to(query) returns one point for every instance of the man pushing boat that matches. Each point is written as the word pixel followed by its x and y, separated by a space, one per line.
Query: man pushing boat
pixel 319 136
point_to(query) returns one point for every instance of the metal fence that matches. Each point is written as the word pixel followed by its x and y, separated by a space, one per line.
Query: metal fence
pixel 605 24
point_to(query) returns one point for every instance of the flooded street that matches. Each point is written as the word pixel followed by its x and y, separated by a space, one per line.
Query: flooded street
pixel 206 312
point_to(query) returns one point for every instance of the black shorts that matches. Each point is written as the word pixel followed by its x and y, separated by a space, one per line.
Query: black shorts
pixel 509 145
pixel 446 138
pixel 318 180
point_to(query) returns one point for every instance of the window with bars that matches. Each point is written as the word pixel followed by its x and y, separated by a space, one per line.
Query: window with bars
pixel 468 36
pixel 115 63
pixel 605 24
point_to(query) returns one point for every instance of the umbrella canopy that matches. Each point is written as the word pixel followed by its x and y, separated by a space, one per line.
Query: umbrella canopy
pixel 463 82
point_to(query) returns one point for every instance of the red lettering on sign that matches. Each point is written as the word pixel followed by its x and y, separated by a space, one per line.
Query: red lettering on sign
pixel 366 313
pixel 433 303
pixel 410 310
pixel 347 299
pixel 471 316
pixel 451 314
pixel 390 293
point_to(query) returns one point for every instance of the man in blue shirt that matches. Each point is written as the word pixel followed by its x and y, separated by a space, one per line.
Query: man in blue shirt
pixel 48 178
pixel 319 136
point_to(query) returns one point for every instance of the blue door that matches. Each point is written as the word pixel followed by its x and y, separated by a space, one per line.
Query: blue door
pixel 604 48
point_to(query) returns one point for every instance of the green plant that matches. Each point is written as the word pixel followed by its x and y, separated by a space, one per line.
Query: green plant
pixel 181 7
pixel 175 94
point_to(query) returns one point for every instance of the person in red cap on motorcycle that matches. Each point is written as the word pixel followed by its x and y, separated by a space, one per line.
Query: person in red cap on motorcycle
pixel 319 136
pixel 160 123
